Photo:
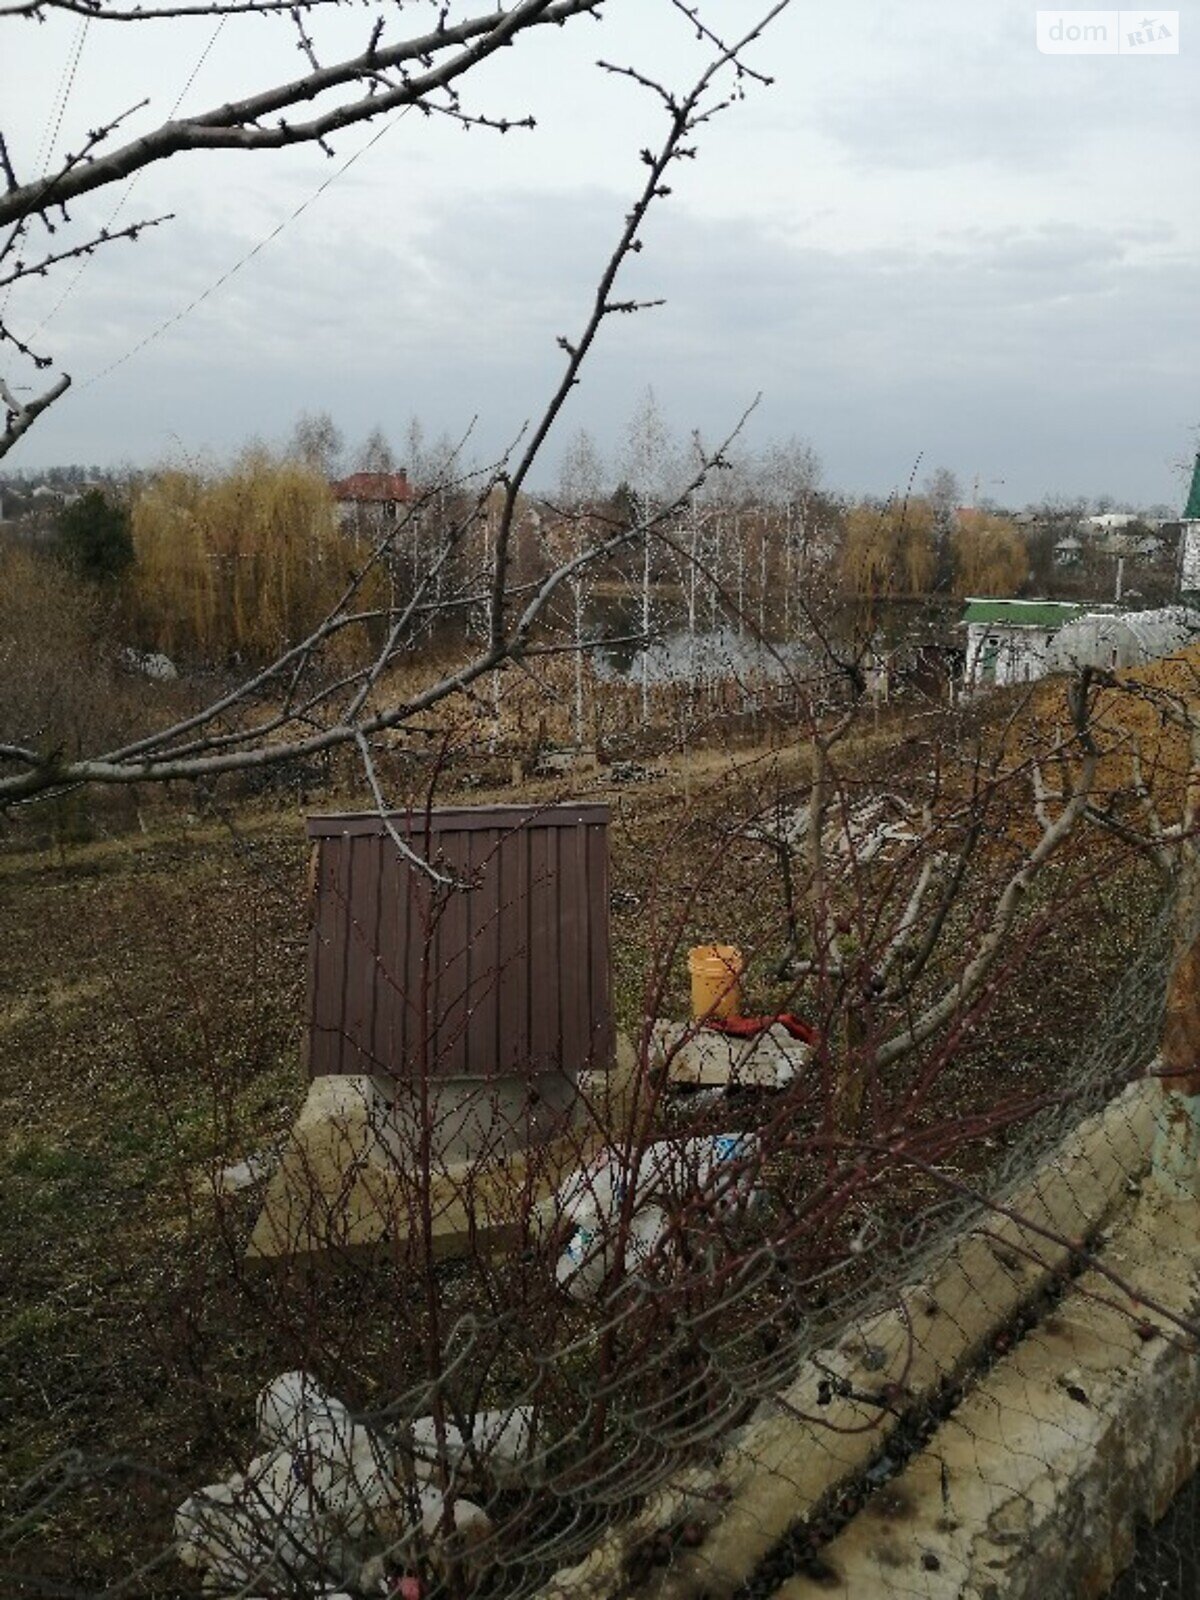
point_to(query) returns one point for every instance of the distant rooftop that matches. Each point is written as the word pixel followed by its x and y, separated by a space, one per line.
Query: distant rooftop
pixel 1023 613
pixel 1192 509
pixel 373 487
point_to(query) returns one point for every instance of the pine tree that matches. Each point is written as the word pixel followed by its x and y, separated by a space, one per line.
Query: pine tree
pixel 94 537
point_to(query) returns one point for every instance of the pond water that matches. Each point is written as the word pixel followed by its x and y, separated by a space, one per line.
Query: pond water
pixel 721 650
pixel 711 655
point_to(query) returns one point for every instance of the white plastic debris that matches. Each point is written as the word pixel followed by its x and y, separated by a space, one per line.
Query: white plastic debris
pixel 594 1246
pixel 672 1176
pixel 289 1403
pixel 321 1485
pixel 236 1538
pixel 240 1175
pixel 470 1521
pixel 336 1477
pixel 669 1172
pixel 293 1512
pixel 500 1439
pixel 200 1523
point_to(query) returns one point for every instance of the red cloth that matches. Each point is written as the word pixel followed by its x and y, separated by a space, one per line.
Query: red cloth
pixel 751 1027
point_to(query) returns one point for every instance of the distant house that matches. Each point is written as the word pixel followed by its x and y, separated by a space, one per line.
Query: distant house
pixel 1114 640
pixel 1017 641
pixel 372 496
pixel 1112 521
pixel 1009 641
pixel 1068 552
pixel 1115 544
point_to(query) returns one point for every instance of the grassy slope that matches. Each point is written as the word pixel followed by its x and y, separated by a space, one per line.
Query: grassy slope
pixel 150 995
pixel 128 973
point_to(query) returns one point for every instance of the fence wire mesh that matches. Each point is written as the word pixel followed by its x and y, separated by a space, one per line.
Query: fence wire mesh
pixel 799 1311
pixel 737 1390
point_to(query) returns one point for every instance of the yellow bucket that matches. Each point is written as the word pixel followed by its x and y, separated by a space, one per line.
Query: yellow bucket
pixel 716 972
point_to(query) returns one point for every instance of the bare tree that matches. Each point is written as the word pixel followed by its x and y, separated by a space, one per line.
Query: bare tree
pixel 311 708
pixel 579 490
pixel 790 473
pixel 648 451
pixel 317 441
pixel 422 69
pixel 944 493
pixel 375 453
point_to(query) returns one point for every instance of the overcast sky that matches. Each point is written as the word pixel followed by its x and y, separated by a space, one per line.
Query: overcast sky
pixel 926 240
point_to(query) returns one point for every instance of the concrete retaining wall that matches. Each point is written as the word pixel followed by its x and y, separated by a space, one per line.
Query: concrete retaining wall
pixel 783 1464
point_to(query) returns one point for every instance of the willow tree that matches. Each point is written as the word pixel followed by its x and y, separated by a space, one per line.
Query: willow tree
pixel 889 549
pixel 242 565
pixel 989 555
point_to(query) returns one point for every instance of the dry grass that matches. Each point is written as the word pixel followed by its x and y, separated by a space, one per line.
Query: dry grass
pixel 149 1025
pixel 150 1003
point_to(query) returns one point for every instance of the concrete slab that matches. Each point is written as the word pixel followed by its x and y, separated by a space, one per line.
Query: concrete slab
pixel 1033 1489
pixel 782 1465
pixel 347 1181
pixel 701 1058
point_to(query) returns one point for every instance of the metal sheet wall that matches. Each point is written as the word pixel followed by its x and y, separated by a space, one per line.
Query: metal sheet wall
pixel 510 977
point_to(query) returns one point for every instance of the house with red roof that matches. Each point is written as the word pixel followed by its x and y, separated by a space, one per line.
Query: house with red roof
pixel 372 496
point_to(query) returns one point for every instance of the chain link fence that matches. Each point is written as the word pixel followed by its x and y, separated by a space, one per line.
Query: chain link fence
pixel 722 1340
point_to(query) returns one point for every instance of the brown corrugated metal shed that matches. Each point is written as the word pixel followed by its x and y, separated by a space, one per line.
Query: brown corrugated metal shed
pixel 509 977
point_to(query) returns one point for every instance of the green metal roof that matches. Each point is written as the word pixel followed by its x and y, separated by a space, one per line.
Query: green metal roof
pixel 1192 509
pixel 1024 613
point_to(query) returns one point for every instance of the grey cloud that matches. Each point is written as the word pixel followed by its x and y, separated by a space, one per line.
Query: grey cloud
pixel 1054 358
pixel 979 94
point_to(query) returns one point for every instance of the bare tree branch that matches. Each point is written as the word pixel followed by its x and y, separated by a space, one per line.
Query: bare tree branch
pixel 39 268
pixel 238 125
pixel 329 715
pixel 96 11
pixel 22 415
pixel 970 978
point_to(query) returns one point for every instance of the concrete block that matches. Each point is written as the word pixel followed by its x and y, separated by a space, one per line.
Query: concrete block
pixel 701 1058
pixel 1034 1487
pixel 1177 1143
pixel 348 1181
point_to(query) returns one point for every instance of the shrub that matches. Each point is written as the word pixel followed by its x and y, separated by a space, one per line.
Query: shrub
pixel 94 537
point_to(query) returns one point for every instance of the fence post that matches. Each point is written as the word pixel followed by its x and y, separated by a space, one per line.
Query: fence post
pixel 1176 1162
